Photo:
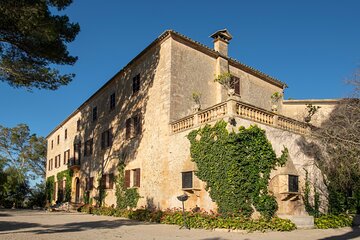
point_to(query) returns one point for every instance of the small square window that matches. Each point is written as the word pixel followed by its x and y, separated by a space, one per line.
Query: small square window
pixel 293 183
pixel 78 125
pixel 94 114
pixel 187 180
pixel 112 101
pixel 136 83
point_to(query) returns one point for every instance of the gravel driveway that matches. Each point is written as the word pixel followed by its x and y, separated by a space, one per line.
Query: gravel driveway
pixel 28 224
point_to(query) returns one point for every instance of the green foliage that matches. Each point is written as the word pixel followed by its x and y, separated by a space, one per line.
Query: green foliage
pixel 194 219
pixel 15 189
pixel 49 189
pixel 125 197
pixel 226 80
pixel 23 151
pixel 67 174
pixel 211 221
pixel 32 40
pixel 312 209
pixel 236 167
pixel 275 97
pixel 333 221
pixel 37 196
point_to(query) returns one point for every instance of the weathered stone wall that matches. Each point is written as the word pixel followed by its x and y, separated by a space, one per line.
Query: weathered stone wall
pixel 256 91
pixel 297 109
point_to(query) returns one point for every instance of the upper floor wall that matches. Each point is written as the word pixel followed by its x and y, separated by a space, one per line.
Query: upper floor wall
pixel 297 109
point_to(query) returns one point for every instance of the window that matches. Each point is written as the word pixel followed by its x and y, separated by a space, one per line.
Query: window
pixel 136 83
pixel 66 156
pixel 136 177
pixel 65 134
pixel 293 183
pixel 112 101
pixel 52 144
pixel 187 179
pixel 88 147
pixel 132 178
pixel 50 164
pixel 107 181
pixel 57 161
pixel 235 84
pixel 77 151
pixel 78 125
pixel 58 139
pixel 94 114
pixel 89 185
pixel 106 139
pixel 133 127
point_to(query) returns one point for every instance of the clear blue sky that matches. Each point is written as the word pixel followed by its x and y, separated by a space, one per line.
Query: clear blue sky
pixel 313 46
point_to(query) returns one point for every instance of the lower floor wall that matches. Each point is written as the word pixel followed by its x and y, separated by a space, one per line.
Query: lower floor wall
pixel 161 181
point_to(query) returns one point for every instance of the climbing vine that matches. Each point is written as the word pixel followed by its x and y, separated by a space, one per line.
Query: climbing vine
pixel 125 197
pixel 236 167
pixel 67 174
pixel 312 208
pixel 49 188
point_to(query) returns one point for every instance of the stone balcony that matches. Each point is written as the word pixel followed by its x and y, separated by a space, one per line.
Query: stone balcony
pixel 74 164
pixel 232 108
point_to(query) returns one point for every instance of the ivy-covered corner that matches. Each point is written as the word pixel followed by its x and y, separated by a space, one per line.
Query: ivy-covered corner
pixel 125 197
pixel 49 188
pixel 236 167
pixel 67 174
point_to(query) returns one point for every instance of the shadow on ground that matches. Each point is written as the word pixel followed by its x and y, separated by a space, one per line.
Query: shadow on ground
pixel 354 234
pixel 7 227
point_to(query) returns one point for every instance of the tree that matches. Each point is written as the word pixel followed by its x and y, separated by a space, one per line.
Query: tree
pixel 23 151
pixel 32 40
pixel 339 138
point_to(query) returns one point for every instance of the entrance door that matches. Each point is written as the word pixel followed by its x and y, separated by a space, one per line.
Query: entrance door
pixel 77 193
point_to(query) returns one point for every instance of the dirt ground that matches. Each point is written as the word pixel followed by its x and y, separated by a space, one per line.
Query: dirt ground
pixel 28 224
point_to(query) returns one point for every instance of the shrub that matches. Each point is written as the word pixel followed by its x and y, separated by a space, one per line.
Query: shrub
pixel 333 221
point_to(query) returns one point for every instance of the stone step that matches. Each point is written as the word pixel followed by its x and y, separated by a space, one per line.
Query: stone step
pixel 301 221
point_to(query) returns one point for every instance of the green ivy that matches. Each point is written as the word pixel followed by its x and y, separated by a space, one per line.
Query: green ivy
pixel 236 167
pixel 49 189
pixel 125 197
pixel 333 221
pixel 312 209
pixel 68 177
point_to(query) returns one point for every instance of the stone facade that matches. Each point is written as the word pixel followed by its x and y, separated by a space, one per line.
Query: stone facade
pixel 167 72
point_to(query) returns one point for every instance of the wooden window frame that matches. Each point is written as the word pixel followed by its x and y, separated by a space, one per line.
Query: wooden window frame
pixel 94 114
pixel 185 182
pixel 106 139
pixel 112 102
pixel 136 84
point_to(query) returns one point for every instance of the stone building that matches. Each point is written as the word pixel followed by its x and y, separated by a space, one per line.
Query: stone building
pixel 142 115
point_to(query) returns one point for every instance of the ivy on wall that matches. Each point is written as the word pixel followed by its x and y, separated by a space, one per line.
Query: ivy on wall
pixel 125 197
pixel 49 188
pixel 312 208
pixel 67 174
pixel 236 167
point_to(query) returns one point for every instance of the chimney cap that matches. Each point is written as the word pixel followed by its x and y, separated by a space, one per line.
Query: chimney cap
pixel 223 34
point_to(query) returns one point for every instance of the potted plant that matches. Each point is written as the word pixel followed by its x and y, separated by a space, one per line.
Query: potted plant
pixel 275 98
pixel 228 82
pixel 196 96
pixel 311 110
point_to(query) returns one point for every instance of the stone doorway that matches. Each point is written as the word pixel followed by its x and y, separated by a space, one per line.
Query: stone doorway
pixel 77 190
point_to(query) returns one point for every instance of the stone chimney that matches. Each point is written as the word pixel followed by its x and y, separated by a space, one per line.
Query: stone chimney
pixel 221 41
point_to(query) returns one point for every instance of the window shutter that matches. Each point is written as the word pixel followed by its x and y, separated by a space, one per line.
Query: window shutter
pixel 128 128
pixel 237 85
pixel 103 181
pixel 103 140
pixel 127 178
pixel 111 180
pixel 137 177
pixel 110 135
pixel 91 183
